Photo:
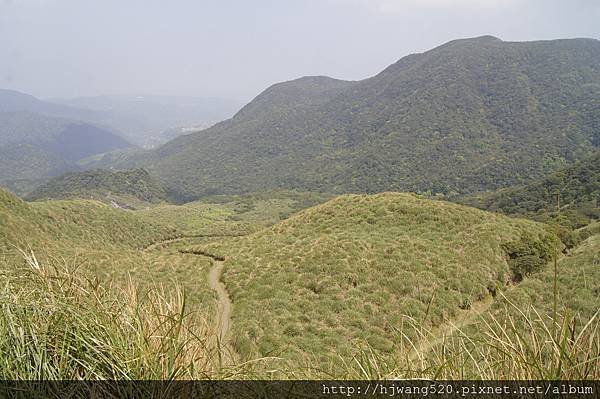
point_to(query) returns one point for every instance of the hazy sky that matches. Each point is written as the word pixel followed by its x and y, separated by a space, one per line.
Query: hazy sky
pixel 228 48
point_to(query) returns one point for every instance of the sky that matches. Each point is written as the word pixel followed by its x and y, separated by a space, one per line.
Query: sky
pixel 237 48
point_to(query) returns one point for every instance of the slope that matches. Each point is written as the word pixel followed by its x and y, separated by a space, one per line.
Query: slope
pixel 34 146
pixel 129 187
pixel 576 189
pixel 14 101
pixel 521 337
pixel 71 140
pixel 343 275
pixel 83 299
pixel 471 115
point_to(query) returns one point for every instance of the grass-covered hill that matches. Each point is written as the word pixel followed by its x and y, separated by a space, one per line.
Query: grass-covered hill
pixel 470 115
pixel 382 286
pixel 128 187
pixel 82 298
pixel 344 276
pixel 70 224
pixel 520 336
pixel 576 189
pixel 34 146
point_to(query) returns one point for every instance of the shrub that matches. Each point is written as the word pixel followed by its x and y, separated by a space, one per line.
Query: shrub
pixel 529 254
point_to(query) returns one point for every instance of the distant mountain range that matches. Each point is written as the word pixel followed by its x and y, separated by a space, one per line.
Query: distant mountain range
pixel 41 139
pixel 144 119
pixel 471 115
pixel 34 147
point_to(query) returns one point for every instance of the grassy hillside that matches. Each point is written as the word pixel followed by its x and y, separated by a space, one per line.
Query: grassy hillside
pixel 576 188
pixel 68 224
pixel 341 277
pixel 231 215
pixel 360 286
pixel 520 336
pixel 471 115
pixel 126 188
pixel 100 305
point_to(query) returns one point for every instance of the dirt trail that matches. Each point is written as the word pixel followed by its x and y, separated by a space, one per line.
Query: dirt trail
pixel 223 310
pixel 444 330
pixel 223 315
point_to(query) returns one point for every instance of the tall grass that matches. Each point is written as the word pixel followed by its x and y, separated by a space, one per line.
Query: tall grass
pixel 59 323
pixel 519 346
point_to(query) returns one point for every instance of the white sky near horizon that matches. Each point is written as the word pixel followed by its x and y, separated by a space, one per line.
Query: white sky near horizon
pixel 235 49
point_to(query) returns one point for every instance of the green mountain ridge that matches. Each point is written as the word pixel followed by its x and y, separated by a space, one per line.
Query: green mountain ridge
pixel 471 115
pixel 576 189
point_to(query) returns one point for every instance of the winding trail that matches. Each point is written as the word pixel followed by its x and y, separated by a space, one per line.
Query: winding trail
pixel 222 342
pixel 223 319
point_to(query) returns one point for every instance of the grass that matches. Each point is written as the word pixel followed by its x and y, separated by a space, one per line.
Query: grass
pixel 57 323
pixel 82 299
pixel 231 215
pixel 344 275
pixel 519 338
pixel 358 287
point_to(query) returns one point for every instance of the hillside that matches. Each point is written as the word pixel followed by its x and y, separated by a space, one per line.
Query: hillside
pixel 362 285
pixel 35 147
pixel 27 162
pixel 71 140
pixel 576 187
pixel 471 115
pixel 71 224
pixel 84 293
pixel 518 327
pixel 14 101
pixel 343 276
pixel 117 187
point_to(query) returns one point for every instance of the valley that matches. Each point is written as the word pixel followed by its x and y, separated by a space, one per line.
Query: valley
pixel 437 220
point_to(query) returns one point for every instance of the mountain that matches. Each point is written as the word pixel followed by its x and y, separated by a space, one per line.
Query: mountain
pixel 144 119
pixel 117 188
pixel 471 115
pixel 71 140
pixel 14 101
pixel 27 161
pixel 576 189
pixel 34 146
